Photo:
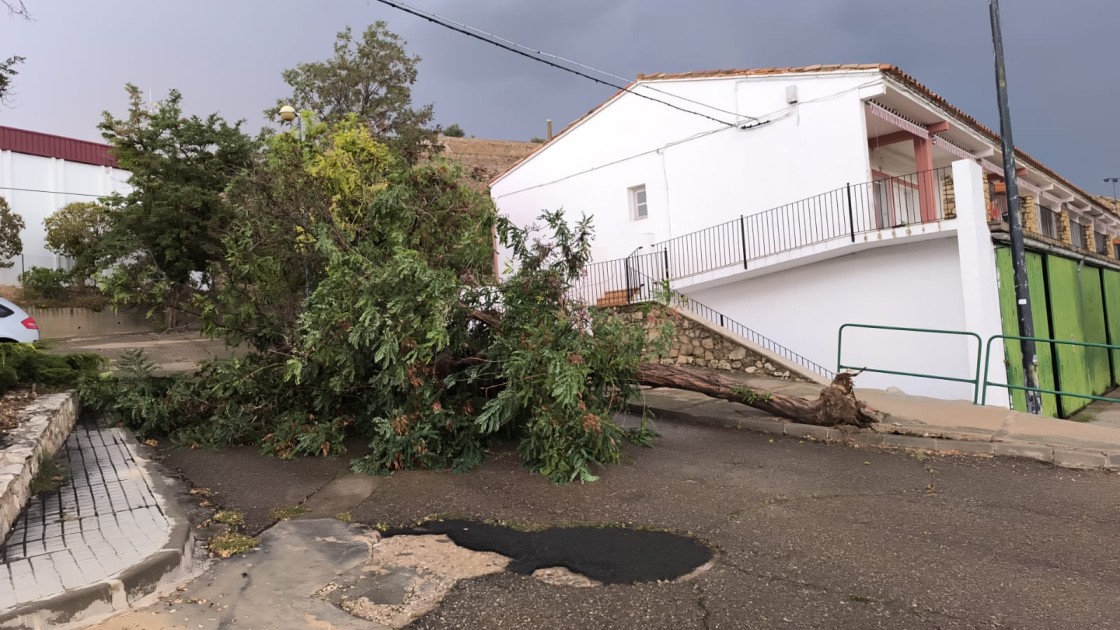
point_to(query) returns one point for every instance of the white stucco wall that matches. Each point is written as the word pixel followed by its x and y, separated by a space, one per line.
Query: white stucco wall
pixel 64 182
pixel 915 285
pixel 697 172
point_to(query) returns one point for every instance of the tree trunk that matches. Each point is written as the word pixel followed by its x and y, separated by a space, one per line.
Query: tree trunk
pixel 837 404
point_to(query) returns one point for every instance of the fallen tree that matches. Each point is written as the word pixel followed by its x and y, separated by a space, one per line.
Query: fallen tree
pixel 361 286
pixel 836 405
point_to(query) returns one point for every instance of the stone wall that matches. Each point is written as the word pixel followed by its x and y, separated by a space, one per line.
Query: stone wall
pixel 45 424
pixel 702 345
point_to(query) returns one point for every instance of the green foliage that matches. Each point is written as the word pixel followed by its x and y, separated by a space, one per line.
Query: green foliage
pixel 454 131
pixel 369 77
pixel 363 285
pixel 76 231
pixel 24 365
pixel 162 237
pixel 8 73
pixel 11 224
pixel 44 283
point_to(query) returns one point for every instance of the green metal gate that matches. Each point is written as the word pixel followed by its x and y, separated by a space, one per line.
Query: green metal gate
pixel 1092 312
pixel 1111 281
pixel 1068 324
pixel 1036 279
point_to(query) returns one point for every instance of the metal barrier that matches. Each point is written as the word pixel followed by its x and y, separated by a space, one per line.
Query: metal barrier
pixel 975 381
pixel 1057 365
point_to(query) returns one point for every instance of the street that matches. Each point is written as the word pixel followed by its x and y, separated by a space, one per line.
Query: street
pixel 805 535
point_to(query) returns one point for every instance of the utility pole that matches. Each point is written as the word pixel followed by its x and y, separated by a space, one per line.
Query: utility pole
pixel 1018 248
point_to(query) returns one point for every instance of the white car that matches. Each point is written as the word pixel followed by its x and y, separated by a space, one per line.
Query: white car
pixel 16 325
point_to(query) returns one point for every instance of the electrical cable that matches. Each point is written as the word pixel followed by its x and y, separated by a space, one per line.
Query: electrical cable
pixel 53 192
pixel 568 61
pixel 439 21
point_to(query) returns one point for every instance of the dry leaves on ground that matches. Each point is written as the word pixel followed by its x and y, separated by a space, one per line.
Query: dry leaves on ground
pixel 11 404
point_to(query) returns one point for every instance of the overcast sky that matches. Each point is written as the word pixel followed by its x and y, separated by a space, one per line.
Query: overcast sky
pixel 227 57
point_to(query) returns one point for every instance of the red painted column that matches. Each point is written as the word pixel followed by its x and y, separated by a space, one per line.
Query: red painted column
pixel 927 191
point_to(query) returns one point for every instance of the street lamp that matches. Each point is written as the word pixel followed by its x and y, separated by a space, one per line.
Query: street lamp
pixel 288 114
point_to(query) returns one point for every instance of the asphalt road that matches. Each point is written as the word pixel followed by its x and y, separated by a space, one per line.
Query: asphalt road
pixel 805 535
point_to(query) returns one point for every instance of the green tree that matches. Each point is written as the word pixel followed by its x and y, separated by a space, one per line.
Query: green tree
pixel 163 236
pixel 370 77
pixel 76 231
pixel 11 224
pixel 8 70
pixel 8 73
pixel 454 131
pixel 363 285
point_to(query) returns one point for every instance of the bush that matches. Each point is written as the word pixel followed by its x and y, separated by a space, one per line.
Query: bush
pixel 43 283
pixel 24 365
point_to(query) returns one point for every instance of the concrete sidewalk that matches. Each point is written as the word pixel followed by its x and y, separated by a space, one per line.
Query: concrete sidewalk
pixel 912 422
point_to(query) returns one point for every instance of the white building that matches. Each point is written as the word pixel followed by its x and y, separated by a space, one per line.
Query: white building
pixel 787 202
pixel 40 173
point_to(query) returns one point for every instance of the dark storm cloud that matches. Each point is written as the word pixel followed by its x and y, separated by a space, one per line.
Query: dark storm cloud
pixel 227 56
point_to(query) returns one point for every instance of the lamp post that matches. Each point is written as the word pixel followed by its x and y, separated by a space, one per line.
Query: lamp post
pixel 288 114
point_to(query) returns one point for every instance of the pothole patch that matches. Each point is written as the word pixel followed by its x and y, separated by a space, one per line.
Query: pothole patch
pixel 560 576
pixel 406 577
pixel 602 555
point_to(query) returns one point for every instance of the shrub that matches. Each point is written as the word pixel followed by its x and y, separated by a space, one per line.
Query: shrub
pixel 43 283
pixel 23 364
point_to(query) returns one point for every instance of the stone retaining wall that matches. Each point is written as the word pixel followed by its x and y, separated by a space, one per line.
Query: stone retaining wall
pixel 47 422
pixel 703 345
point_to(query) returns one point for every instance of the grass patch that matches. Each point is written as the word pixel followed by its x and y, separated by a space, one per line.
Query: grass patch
pixel 345 517
pixel 287 512
pixel 233 518
pixel 231 543
pixel 50 476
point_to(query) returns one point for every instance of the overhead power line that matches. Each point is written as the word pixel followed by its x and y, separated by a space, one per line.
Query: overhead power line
pixel 440 21
pixel 53 192
pixel 562 59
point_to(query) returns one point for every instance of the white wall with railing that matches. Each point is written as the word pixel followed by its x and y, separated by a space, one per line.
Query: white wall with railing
pixel 697 172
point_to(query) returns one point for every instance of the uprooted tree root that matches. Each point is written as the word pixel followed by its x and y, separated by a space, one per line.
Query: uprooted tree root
pixel 836 405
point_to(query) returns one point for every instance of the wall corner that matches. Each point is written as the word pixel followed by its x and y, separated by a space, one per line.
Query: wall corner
pixel 979 274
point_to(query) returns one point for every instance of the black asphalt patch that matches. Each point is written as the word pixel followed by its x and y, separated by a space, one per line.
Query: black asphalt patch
pixel 610 555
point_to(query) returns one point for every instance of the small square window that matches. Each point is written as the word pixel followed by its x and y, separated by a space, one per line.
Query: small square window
pixel 638 208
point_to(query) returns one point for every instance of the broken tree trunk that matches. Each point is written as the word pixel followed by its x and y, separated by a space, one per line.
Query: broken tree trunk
pixel 837 404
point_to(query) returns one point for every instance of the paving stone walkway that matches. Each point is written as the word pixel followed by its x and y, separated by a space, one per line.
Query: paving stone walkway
pixel 104 519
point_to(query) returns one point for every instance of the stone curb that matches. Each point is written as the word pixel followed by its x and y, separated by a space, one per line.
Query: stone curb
pixel 1059 456
pixel 117 593
pixel 47 421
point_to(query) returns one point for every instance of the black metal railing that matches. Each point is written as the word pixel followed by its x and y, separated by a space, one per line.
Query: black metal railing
pixel 847 212
pixel 714 317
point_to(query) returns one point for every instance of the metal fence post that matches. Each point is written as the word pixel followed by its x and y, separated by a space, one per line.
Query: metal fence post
pixel 666 252
pixel 851 216
pixel 743 233
pixel 626 272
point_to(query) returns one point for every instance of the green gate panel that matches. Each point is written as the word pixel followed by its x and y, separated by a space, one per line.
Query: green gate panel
pixel 1036 280
pixel 1111 281
pixel 1092 313
pixel 1067 324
